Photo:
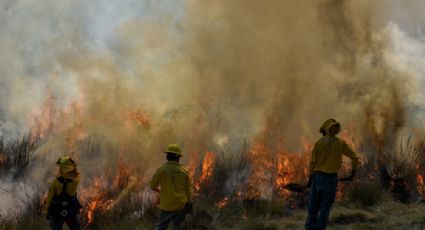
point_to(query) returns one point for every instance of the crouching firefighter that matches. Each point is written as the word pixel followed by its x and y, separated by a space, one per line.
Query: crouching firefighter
pixel 175 190
pixel 324 166
pixel 62 204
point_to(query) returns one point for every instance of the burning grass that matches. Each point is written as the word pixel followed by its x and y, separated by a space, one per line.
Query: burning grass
pixel 236 184
pixel 388 215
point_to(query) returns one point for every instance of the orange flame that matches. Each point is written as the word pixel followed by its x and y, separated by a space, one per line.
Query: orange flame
pixel 2 158
pixel 282 177
pixel 420 182
pixel 103 192
pixel 92 205
pixel 90 212
pixel 140 118
pixel 262 165
pixel 122 174
pixel 272 170
pixel 44 119
pixel 207 166
pixel 421 188
pixel 223 203
pixel 207 169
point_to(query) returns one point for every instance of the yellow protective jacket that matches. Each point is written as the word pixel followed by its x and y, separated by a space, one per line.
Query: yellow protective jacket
pixel 56 188
pixel 175 186
pixel 328 150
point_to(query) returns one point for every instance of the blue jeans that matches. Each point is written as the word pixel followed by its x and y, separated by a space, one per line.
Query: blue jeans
pixel 322 196
pixel 57 223
pixel 165 217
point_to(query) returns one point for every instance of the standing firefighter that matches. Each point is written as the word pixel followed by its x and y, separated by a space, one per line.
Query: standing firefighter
pixel 324 166
pixel 175 190
pixel 62 204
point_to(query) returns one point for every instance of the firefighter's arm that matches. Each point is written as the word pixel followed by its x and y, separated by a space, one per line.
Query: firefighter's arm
pixel 188 187
pixel 50 195
pixel 155 181
pixel 347 151
pixel 72 187
pixel 313 160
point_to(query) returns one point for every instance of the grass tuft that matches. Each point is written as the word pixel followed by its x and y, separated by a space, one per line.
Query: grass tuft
pixel 366 193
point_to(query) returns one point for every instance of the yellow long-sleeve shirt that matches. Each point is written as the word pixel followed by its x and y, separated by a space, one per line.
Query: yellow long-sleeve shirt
pixel 327 155
pixel 56 189
pixel 176 187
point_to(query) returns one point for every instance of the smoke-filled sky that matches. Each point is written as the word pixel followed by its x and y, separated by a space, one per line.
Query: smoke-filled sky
pixel 142 74
pixel 35 36
pixel 220 69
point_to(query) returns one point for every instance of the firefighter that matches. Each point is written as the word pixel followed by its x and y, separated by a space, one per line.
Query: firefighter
pixel 172 182
pixel 324 166
pixel 62 205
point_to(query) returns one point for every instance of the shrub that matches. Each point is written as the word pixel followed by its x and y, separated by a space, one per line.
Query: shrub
pixel 366 193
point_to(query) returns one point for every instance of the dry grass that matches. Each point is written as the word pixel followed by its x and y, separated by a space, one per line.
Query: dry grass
pixel 366 205
pixel 389 215
pixel 366 193
pixel 344 215
pixel 16 156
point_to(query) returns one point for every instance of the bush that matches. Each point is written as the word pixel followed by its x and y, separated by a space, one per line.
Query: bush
pixel 367 193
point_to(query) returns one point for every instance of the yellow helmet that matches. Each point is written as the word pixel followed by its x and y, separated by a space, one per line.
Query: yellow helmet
pixel 327 125
pixel 173 148
pixel 65 161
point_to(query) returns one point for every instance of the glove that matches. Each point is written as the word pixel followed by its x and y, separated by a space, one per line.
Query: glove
pixel 349 178
pixel 310 181
pixel 45 213
pixel 188 208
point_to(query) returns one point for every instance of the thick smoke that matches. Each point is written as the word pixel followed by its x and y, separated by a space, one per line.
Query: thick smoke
pixel 296 64
pixel 138 76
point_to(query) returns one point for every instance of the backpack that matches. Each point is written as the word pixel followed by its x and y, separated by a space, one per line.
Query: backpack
pixel 64 206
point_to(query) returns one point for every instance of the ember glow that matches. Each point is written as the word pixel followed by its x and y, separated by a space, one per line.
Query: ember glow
pixel 420 182
pixel 421 188
pixel 223 203
pixel 2 158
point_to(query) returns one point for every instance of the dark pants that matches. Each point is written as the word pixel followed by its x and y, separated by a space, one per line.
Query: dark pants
pixel 321 198
pixel 165 217
pixel 57 223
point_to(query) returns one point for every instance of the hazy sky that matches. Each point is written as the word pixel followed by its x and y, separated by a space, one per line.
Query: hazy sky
pixel 35 35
